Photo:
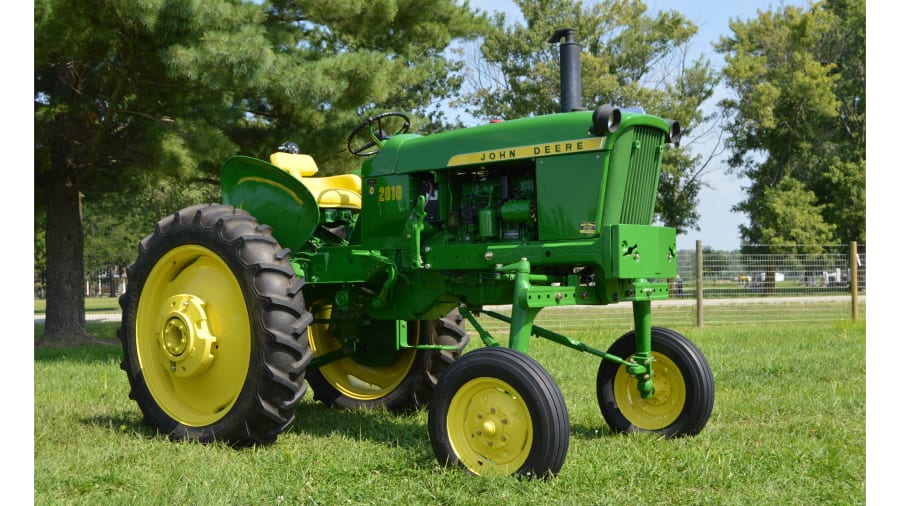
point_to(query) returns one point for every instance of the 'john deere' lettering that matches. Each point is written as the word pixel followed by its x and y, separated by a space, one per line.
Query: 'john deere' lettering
pixel 535 150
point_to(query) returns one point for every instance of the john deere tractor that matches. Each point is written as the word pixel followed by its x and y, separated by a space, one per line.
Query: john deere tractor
pixel 362 286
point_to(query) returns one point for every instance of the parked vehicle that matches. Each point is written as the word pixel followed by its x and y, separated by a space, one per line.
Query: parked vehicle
pixel 362 285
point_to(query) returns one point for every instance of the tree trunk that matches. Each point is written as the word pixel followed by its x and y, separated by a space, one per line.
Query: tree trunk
pixel 65 268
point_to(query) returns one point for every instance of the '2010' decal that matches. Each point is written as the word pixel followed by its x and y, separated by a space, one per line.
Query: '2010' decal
pixel 390 193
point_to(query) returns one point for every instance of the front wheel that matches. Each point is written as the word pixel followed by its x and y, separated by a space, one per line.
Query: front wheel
pixel 684 388
pixel 214 329
pixel 498 412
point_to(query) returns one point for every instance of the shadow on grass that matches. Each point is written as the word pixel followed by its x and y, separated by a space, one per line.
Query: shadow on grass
pixel 592 432
pixel 130 424
pixel 105 332
pixel 86 353
pixel 312 418
pixel 377 425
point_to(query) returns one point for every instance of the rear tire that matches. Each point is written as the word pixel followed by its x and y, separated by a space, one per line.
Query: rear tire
pixel 447 331
pixel 214 329
pixel 404 384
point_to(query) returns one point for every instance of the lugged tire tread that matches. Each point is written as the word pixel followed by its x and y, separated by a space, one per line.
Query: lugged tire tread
pixel 279 383
pixel 416 390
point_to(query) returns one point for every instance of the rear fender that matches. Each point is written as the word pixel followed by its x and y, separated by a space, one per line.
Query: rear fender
pixel 273 197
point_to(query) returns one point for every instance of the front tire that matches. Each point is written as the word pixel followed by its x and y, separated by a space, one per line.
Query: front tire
pixel 498 412
pixel 685 391
pixel 214 329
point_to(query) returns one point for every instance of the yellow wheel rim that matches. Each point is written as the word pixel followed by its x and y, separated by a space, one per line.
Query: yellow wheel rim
pixel 667 402
pixel 356 380
pixel 490 427
pixel 192 334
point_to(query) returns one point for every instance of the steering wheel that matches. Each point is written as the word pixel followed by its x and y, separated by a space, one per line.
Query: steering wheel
pixel 376 134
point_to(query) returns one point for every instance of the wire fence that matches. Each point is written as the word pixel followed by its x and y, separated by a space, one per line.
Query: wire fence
pixel 774 284
pixel 759 285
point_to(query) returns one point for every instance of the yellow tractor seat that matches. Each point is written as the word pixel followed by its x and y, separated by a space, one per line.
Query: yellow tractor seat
pixel 343 190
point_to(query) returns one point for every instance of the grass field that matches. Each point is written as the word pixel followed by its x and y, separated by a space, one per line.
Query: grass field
pixel 788 427
pixel 91 305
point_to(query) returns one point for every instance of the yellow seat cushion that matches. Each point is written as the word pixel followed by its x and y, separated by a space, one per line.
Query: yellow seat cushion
pixel 297 165
pixel 343 190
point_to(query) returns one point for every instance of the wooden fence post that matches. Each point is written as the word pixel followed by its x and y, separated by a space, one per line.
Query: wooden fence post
pixel 854 283
pixel 699 283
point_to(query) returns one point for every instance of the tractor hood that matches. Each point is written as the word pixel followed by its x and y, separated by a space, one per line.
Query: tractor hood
pixel 502 141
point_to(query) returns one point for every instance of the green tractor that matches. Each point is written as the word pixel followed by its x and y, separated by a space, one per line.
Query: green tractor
pixel 362 286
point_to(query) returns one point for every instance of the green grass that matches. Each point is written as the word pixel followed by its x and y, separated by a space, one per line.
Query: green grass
pixel 788 427
pixel 91 305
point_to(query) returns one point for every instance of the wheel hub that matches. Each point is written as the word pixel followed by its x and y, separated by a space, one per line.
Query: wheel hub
pixel 494 429
pixel 661 391
pixel 185 339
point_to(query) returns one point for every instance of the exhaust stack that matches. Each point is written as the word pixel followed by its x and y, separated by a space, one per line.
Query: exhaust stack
pixel 569 69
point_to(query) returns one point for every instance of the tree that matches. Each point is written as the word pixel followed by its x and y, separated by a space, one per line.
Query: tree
pixel 170 88
pixel 114 223
pixel 629 58
pixel 796 128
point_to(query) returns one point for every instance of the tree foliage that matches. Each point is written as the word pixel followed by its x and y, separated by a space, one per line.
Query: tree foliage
pixel 630 58
pixel 129 93
pixel 796 126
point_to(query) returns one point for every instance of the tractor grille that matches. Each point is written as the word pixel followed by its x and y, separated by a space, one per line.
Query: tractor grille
pixel 642 181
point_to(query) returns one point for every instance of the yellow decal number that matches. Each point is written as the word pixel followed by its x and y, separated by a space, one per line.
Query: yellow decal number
pixel 390 193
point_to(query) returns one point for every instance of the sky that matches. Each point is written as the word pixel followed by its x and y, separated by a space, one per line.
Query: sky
pixel 718 224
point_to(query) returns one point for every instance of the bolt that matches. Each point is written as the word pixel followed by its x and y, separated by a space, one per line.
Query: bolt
pixel 646 376
pixel 559 296
pixel 493 410
pixel 489 255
